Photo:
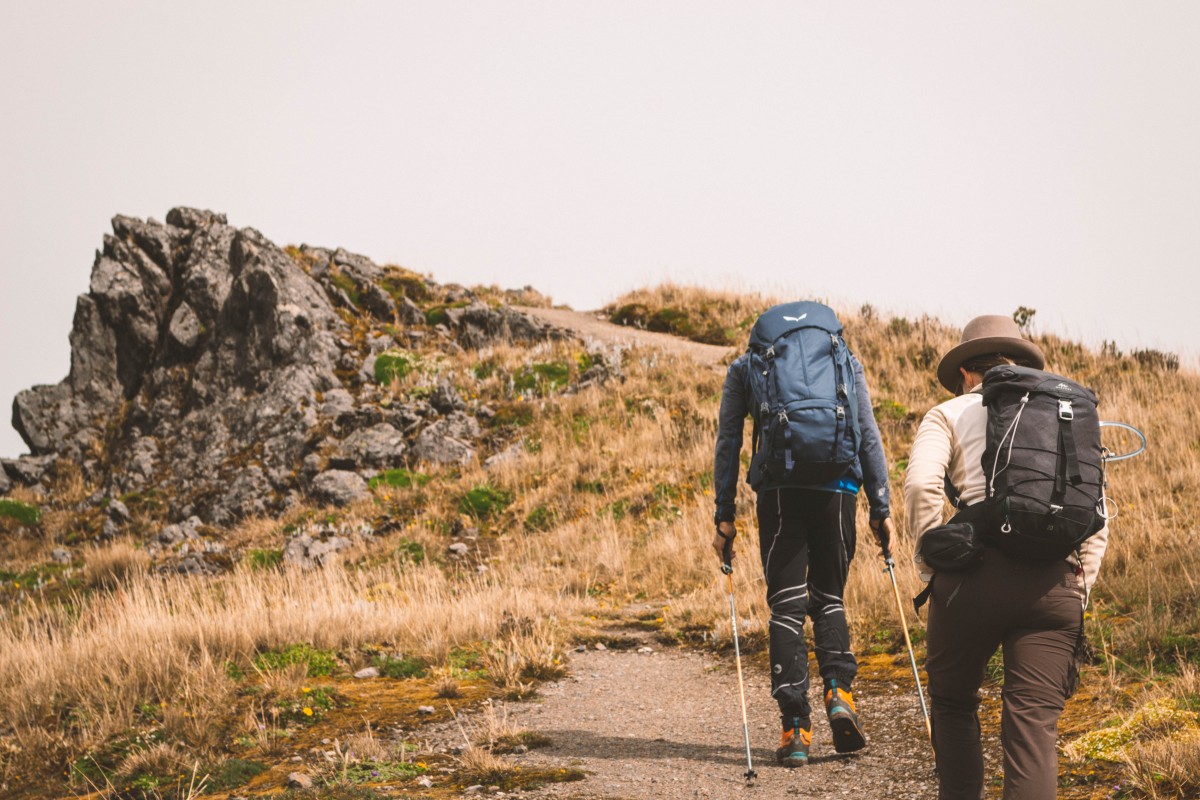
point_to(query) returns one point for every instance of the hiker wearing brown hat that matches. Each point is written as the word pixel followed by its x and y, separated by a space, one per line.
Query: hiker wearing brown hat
pixel 1032 609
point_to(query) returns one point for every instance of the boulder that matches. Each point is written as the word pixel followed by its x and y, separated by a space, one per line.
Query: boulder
pixel 448 441
pixel 308 552
pixel 379 446
pixel 479 325
pixel 339 487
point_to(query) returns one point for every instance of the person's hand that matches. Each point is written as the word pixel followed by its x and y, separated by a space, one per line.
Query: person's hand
pixel 726 532
pixel 884 530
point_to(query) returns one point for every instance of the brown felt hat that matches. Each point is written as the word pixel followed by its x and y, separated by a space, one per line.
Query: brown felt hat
pixel 991 333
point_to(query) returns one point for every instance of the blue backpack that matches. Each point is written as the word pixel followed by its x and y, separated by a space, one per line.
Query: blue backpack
pixel 806 429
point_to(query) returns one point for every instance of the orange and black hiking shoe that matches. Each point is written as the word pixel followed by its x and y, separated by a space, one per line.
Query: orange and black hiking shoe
pixel 793 747
pixel 847 733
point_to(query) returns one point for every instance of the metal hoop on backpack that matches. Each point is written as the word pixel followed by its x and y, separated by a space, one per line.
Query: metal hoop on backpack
pixel 1108 457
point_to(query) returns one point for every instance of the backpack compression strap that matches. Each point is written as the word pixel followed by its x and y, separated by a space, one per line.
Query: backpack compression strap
pixel 1068 455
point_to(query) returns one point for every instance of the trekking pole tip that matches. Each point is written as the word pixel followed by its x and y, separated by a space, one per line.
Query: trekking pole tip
pixel 751 775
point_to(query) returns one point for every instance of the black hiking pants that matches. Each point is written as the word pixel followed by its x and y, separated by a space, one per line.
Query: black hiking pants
pixel 807 538
pixel 1034 611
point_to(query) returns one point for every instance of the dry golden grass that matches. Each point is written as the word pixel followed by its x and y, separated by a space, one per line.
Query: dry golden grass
pixel 711 317
pixel 608 502
pixel 115 564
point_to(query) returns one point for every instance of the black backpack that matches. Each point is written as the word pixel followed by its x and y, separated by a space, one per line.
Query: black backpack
pixel 806 428
pixel 1043 462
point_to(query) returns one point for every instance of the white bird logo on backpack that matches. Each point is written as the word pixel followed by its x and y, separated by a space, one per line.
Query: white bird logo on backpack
pixel 796 319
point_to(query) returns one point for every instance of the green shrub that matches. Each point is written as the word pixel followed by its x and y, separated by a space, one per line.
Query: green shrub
pixel 400 668
pixel 392 365
pixel 264 559
pixel 377 772
pixel 398 479
pixel 410 552
pixel 542 378
pixel 319 662
pixel 344 282
pixel 399 283
pixel 23 513
pixel 234 772
pixel 541 518
pixel 484 501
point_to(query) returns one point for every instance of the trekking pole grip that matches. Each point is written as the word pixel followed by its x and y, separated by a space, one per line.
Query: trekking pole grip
pixel 727 555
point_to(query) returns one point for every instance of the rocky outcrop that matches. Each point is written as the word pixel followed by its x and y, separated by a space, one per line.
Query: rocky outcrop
pixel 227 373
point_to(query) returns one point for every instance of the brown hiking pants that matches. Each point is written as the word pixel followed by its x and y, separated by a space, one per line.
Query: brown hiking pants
pixel 1035 612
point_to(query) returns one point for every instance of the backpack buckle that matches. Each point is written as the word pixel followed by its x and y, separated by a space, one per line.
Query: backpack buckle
pixel 841 413
pixel 770 354
pixel 1064 411
pixel 841 388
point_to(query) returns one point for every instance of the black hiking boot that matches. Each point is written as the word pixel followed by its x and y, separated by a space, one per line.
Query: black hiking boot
pixel 843 720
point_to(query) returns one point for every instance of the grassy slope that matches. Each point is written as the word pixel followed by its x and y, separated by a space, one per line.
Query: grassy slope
pixel 133 679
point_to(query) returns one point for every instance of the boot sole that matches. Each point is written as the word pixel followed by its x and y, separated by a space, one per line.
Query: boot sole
pixel 847 736
pixel 792 762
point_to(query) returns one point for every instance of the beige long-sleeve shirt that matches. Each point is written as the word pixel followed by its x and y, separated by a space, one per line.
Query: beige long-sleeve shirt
pixel 950 443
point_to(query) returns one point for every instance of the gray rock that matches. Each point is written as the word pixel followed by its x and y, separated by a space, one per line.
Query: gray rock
pixel 196 564
pixel 299 780
pixel 513 453
pixel 425 783
pixel 448 441
pixel 307 552
pixel 367 672
pixel 109 530
pixel 409 313
pixel 180 532
pixel 445 398
pixel 219 341
pixel 459 549
pixel 27 470
pixel 426 710
pixel 5 481
pixel 336 403
pixel 118 512
pixel 479 325
pixel 338 487
pixel 60 555
pixel 474 789
pixel 379 446
pixel 185 329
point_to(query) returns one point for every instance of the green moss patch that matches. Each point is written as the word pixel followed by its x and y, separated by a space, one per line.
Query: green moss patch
pixel 541 378
pixel 319 662
pixel 264 559
pixel 400 668
pixel 392 365
pixel 484 502
pixel 23 513
pixel 398 479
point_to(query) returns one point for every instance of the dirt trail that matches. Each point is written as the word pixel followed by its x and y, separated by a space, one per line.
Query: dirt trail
pixel 668 725
pixel 587 325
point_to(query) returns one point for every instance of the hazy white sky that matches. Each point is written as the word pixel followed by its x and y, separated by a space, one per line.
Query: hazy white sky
pixel 955 158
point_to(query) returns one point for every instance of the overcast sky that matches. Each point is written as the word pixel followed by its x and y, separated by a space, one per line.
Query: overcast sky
pixel 951 158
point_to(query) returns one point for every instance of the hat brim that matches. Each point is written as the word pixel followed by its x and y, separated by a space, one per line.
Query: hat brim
pixel 1021 350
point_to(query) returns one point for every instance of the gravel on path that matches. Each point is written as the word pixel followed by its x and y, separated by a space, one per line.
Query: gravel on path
pixel 668 725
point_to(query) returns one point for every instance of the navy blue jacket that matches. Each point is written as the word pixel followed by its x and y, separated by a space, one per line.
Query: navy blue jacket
pixel 869 469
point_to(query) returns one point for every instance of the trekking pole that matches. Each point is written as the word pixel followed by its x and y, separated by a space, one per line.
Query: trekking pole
pixel 727 568
pixel 912 658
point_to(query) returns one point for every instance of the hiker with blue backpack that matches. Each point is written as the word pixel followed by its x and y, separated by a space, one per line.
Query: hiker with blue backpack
pixel 1018 452
pixel 815 444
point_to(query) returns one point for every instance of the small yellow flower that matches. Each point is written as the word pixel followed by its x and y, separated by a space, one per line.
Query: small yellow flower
pixel 307 711
pixel 306 690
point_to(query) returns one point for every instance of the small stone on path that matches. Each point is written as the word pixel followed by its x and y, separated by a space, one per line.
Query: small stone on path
pixel 368 672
